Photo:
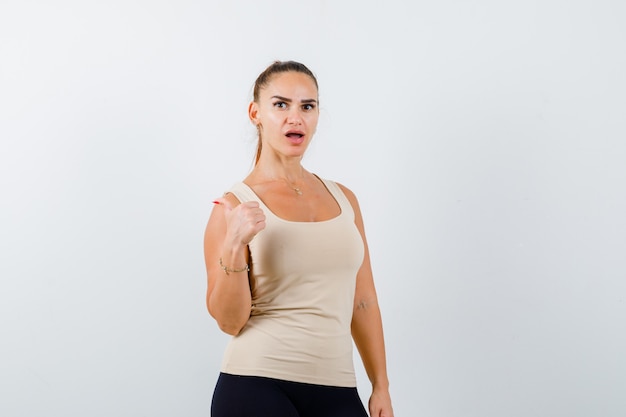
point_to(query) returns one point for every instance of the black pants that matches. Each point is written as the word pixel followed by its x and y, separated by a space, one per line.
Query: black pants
pixel 253 396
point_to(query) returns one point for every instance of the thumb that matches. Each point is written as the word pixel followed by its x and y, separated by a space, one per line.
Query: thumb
pixel 223 202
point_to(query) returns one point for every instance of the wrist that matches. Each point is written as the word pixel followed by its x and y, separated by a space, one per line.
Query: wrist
pixel 227 269
pixel 234 259
pixel 380 385
pixel 233 249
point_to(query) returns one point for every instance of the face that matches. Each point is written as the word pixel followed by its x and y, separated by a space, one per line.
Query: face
pixel 286 114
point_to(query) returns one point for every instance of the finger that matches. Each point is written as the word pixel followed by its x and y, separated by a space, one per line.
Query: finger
pixel 250 204
pixel 251 212
pixel 259 226
pixel 257 219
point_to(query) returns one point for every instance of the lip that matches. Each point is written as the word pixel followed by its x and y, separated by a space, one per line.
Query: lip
pixel 295 136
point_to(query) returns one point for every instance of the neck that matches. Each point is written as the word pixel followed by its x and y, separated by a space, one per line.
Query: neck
pixel 289 169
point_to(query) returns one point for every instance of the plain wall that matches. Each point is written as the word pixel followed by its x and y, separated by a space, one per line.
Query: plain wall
pixel 486 142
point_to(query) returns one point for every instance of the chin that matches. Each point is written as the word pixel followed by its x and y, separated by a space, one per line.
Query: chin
pixel 294 151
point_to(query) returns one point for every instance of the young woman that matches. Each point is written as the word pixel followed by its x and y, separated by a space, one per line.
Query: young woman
pixel 289 274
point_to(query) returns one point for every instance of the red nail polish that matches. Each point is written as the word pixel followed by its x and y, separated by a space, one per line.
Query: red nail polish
pixel 216 202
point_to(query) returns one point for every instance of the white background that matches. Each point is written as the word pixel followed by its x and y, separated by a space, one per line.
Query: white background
pixel 486 141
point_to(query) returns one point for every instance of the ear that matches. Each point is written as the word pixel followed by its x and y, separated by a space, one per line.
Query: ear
pixel 253 113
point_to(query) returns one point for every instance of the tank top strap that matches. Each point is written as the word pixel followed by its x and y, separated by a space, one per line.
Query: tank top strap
pixel 338 194
pixel 243 193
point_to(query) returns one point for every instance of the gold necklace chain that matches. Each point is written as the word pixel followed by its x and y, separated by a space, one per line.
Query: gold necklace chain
pixel 297 190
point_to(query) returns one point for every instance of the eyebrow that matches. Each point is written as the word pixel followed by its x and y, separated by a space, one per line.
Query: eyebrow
pixel 288 100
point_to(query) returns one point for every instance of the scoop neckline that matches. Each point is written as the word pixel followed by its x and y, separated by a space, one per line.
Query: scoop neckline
pixel 335 197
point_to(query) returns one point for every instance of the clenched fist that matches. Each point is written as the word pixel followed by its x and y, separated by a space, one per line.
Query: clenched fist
pixel 243 222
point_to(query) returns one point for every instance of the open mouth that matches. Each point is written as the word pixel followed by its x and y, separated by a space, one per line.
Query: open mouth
pixel 295 138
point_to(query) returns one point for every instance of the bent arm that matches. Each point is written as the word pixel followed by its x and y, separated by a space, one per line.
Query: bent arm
pixel 228 297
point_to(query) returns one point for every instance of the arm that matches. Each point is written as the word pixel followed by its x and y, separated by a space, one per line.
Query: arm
pixel 230 228
pixel 367 329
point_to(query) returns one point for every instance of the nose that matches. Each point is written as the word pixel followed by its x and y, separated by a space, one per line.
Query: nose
pixel 294 117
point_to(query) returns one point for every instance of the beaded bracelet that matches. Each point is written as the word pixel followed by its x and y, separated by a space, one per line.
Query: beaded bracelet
pixel 228 270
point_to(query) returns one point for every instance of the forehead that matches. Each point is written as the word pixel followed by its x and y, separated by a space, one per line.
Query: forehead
pixel 290 84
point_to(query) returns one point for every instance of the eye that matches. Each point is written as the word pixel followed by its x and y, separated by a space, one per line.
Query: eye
pixel 280 104
pixel 308 107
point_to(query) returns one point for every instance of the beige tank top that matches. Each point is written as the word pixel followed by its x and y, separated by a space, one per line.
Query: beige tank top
pixel 302 279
